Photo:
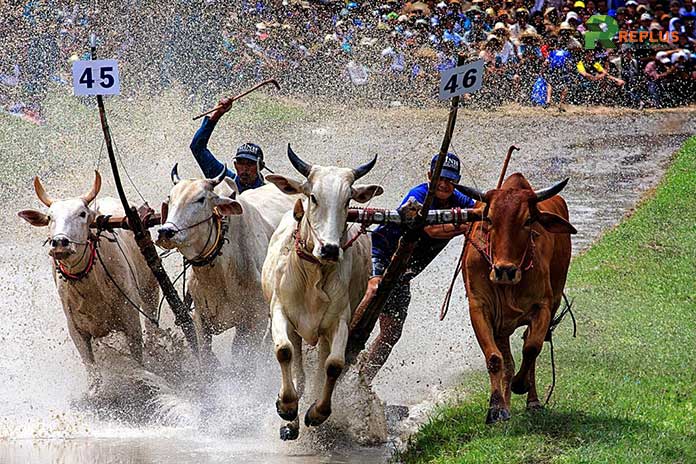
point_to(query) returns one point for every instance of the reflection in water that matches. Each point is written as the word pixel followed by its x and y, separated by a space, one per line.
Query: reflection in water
pixel 177 448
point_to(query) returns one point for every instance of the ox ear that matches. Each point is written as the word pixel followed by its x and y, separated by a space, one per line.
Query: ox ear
pixel 227 206
pixel 365 193
pixel 555 224
pixel 233 186
pixel 164 212
pixel 287 186
pixel 298 210
pixel 33 217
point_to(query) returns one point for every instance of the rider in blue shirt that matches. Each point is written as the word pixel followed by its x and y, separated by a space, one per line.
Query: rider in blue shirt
pixel 248 162
pixel 432 241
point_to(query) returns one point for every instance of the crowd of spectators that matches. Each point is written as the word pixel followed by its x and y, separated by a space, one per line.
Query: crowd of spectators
pixel 388 50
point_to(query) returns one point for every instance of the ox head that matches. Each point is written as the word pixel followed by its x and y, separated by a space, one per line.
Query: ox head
pixel 329 191
pixel 187 216
pixel 510 214
pixel 68 221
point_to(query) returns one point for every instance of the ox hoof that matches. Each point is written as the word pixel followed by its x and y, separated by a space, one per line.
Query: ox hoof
pixel 288 415
pixel 535 406
pixel 519 386
pixel 497 415
pixel 289 432
pixel 314 418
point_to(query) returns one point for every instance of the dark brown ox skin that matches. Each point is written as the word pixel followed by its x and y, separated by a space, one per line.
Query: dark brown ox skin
pixel 502 301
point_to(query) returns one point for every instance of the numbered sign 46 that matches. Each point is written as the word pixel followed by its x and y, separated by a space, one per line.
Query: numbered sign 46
pixel 96 77
pixel 466 78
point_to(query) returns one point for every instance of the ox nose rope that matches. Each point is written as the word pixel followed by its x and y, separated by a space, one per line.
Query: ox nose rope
pixel 301 244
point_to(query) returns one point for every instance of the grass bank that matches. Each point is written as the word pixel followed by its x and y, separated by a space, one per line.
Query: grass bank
pixel 626 387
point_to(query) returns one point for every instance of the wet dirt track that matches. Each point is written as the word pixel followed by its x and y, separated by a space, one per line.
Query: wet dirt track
pixel 612 159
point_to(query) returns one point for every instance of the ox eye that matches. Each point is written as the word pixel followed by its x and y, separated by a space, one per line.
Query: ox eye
pixel 200 200
pixel 83 214
pixel 528 222
pixel 314 199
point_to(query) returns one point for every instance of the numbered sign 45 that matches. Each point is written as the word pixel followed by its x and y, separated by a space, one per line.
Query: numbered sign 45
pixel 466 78
pixel 96 77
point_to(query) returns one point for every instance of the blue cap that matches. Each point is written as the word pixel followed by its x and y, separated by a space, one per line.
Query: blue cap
pixel 450 169
pixel 249 151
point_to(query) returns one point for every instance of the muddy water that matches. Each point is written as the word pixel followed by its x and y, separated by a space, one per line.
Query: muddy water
pixel 612 159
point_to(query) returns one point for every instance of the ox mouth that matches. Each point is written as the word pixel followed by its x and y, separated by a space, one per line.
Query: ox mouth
pixel 60 253
pixel 166 244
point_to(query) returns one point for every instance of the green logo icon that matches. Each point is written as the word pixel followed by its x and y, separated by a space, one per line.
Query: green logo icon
pixel 595 33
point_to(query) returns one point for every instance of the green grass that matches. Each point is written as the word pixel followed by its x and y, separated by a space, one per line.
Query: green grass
pixel 626 387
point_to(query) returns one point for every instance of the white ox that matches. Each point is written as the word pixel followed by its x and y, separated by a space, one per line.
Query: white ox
pixel 95 297
pixel 226 280
pixel 313 284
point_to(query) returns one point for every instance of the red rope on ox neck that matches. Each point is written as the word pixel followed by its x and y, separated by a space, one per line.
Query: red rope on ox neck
pixel 368 214
pixel 78 276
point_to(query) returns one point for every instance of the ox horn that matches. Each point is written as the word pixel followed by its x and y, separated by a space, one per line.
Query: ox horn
pixel 302 167
pixel 96 187
pixel 175 174
pixel 547 193
pixel 217 179
pixel 41 193
pixel 471 192
pixel 364 169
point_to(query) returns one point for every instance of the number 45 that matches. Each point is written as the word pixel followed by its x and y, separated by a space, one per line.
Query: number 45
pixel 468 80
pixel 107 79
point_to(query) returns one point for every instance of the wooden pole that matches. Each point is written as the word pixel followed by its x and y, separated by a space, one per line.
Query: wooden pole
pixel 365 317
pixel 505 165
pixel 142 235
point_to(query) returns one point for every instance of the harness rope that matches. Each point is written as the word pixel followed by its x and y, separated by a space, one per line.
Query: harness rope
pixel 74 277
pixel 549 338
pixel 301 244
pixel 92 243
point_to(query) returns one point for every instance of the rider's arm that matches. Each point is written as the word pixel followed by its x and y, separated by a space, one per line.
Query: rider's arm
pixel 444 231
pixel 210 165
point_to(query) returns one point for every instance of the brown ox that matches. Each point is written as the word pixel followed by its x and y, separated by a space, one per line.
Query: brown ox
pixel 515 271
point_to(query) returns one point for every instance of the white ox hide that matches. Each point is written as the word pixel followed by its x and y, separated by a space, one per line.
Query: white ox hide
pixel 227 291
pixel 312 298
pixel 93 305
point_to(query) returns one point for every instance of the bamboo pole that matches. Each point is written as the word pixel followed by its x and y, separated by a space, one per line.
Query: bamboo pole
pixel 142 235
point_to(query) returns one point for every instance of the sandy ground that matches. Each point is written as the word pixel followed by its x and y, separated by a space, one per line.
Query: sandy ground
pixel 611 157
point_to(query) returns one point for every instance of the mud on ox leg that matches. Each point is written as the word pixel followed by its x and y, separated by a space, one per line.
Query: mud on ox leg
pixel 495 363
pixel 524 380
pixel 288 351
pixel 332 359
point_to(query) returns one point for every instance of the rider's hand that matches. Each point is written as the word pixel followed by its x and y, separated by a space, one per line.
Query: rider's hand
pixel 224 106
pixel 372 285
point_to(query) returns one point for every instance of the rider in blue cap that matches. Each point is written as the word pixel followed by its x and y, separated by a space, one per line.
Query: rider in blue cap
pixel 432 241
pixel 248 162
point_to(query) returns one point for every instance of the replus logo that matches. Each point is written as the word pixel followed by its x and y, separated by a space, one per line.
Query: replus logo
pixel 603 29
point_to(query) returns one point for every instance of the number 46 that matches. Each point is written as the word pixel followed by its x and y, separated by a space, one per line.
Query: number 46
pixel 468 80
